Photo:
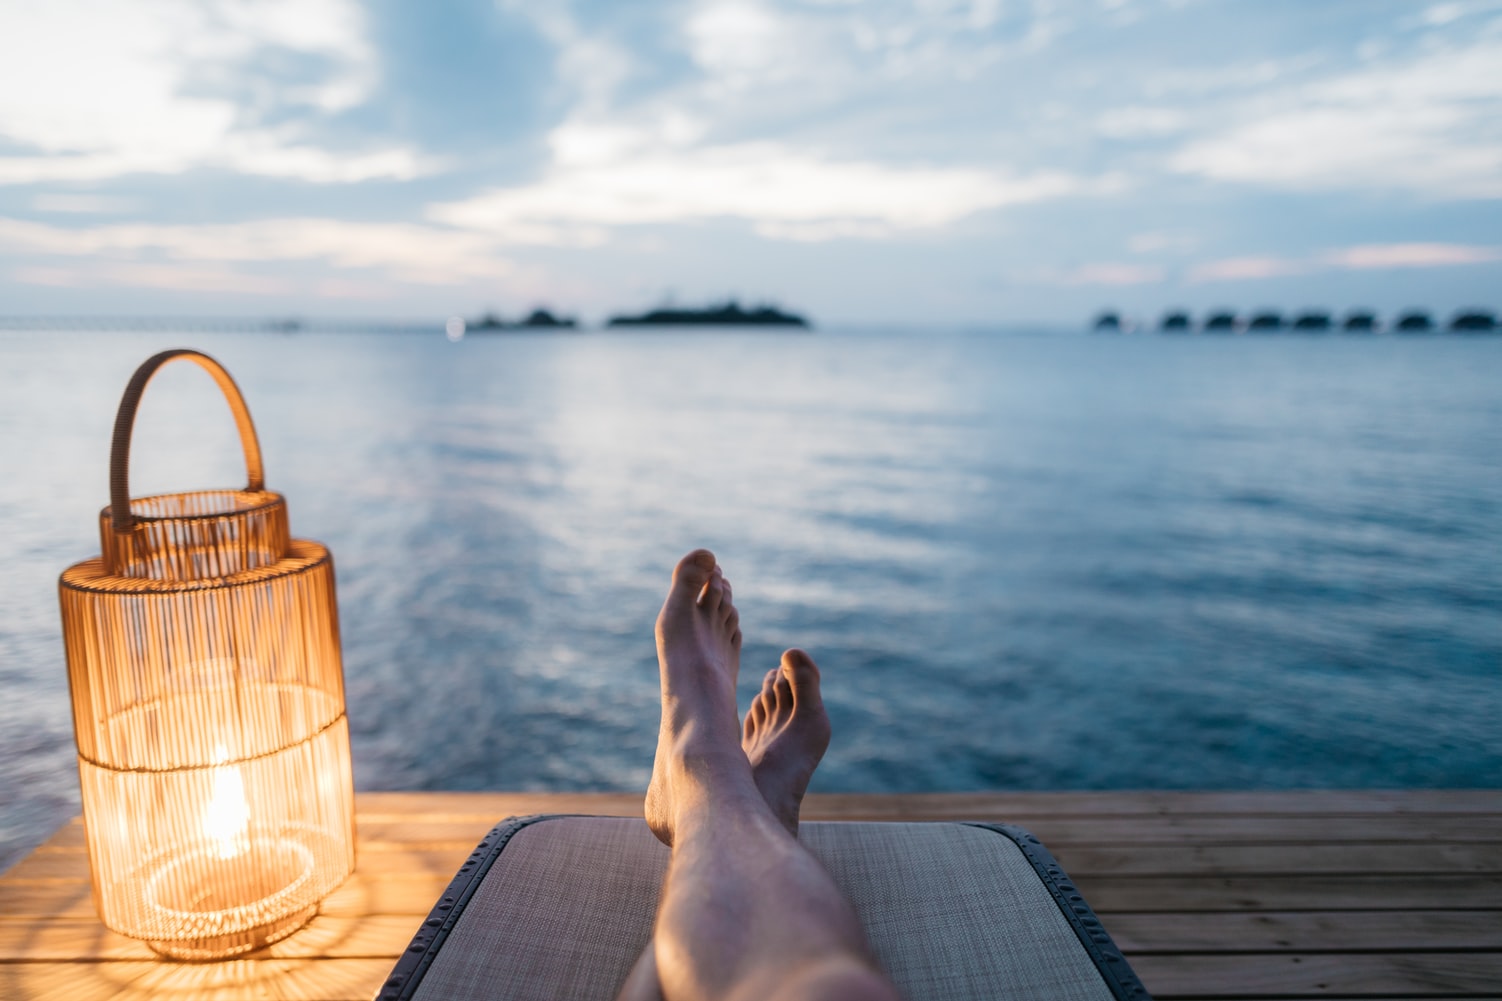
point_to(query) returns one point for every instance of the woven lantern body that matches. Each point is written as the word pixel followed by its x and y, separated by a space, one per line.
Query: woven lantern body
pixel 208 704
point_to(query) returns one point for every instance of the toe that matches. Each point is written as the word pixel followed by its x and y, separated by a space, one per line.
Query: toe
pixel 783 694
pixel 713 593
pixel 694 571
pixel 802 675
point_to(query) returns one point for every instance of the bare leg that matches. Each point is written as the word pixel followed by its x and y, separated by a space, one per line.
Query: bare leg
pixel 785 735
pixel 746 911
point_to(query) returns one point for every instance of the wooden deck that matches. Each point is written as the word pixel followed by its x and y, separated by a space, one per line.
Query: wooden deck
pixel 1211 895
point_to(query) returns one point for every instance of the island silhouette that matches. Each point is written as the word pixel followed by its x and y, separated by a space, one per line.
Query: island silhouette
pixel 538 319
pixel 728 314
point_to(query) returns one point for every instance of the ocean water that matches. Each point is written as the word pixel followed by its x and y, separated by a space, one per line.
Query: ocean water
pixel 1024 560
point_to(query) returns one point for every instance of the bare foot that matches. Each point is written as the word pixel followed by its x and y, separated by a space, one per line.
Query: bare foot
pixel 786 734
pixel 699 655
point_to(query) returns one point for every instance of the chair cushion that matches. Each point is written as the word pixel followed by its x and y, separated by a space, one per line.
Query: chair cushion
pixel 560 907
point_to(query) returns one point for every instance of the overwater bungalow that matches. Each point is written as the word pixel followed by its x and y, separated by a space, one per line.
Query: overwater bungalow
pixel 1474 321
pixel 1312 321
pixel 1266 321
pixel 1359 321
pixel 1175 322
pixel 1414 321
pixel 1108 323
pixel 1222 322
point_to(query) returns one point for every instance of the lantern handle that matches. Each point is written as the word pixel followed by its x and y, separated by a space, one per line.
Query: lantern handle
pixel 121 519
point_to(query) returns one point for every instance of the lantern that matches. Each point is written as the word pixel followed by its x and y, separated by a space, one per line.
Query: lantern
pixel 208 706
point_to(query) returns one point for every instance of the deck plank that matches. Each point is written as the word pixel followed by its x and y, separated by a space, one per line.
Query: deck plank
pixel 1212 895
pixel 1305 931
pixel 1374 974
pixel 1389 858
pixel 364 936
pixel 270 979
pixel 67 981
pixel 1289 893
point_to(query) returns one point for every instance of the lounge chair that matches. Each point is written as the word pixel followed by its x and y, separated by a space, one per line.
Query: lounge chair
pixel 560 907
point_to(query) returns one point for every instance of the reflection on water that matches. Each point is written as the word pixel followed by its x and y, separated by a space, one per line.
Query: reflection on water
pixel 1022 561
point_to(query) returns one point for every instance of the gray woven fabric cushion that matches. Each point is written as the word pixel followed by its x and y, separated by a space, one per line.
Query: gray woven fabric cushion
pixel 952 912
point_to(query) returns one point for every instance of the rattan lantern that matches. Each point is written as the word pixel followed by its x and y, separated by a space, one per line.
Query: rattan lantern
pixel 208 705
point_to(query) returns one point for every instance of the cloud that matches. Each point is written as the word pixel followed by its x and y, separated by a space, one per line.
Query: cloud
pixel 1410 255
pixel 262 154
pixel 832 50
pixel 778 114
pixel 1441 14
pixel 1362 257
pixel 949 131
pixel 424 255
pixel 1139 121
pixel 1245 268
pixel 176 278
pixel 613 178
pixel 592 65
pixel 94 89
pixel 1106 274
pixel 1156 241
pixel 743 42
pixel 1430 127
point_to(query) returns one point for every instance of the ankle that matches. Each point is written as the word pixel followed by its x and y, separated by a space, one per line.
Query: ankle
pixel 688 729
pixel 700 759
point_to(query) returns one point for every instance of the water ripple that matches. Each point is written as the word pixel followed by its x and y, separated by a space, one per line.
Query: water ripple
pixel 1024 562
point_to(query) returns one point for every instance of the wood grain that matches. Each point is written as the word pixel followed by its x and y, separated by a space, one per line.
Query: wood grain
pixel 1418 974
pixel 1287 893
pixel 1305 931
pixel 1355 894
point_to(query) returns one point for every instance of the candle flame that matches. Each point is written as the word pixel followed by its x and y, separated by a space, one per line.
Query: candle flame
pixel 227 817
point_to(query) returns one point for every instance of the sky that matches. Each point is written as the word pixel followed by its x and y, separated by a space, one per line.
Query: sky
pixel 986 162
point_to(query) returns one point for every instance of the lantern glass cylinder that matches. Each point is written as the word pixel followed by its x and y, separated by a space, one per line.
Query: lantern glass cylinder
pixel 208 704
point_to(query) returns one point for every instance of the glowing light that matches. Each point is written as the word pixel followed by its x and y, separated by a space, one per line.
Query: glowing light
pixel 226 819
